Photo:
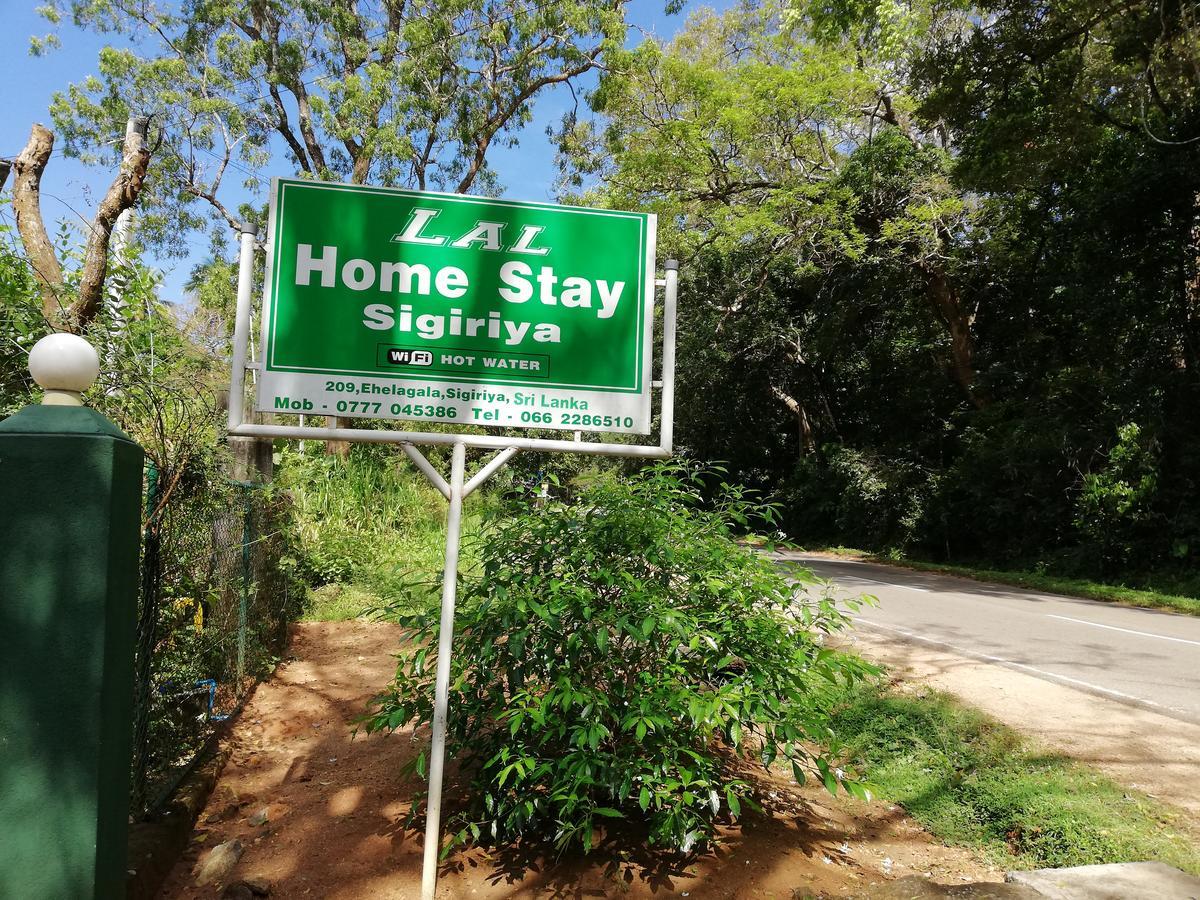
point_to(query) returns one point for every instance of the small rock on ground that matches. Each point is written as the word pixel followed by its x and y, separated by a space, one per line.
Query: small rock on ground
pixel 260 817
pixel 219 862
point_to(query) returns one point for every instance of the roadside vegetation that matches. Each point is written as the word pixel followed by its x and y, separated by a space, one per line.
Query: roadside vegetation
pixel 1171 597
pixel 370 529
pixel 939 294
pixel 974 782
pixel 365 525
pixel 903 306
pixel 616 654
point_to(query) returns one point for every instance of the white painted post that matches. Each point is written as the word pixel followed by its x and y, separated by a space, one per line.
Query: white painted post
pixel 241 326
pixel 437 750
pixel 667 421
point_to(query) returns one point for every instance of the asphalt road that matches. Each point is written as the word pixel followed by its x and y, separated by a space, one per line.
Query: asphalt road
pixel 1142 657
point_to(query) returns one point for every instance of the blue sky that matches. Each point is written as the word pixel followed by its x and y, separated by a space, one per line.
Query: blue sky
pixel 70 190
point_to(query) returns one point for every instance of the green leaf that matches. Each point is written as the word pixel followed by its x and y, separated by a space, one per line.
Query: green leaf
pixel 735 805
pixel 856 789
pixel 644 798
pixel 831 782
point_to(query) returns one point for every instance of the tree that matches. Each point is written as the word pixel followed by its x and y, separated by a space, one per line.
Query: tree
pixel 743 129
pixel 400 92
pixel 57 307
pixel 1038 96
pixel 397 92
pixel 864 187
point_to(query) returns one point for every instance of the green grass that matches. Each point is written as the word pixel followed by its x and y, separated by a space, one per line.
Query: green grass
pixel 974 782
pixel 1039 581
pixel 368 529
pixel 1074 587
pixel 340 602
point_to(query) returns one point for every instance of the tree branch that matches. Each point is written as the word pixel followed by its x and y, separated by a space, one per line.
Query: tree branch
pixel 315 152
pixel 505 113
pixel 122 194
pixel 27 204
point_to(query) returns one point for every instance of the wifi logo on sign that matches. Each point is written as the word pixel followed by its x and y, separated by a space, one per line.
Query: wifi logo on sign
pixel 398 356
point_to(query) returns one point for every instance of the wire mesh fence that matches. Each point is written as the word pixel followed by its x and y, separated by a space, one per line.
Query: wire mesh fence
pixel 217 593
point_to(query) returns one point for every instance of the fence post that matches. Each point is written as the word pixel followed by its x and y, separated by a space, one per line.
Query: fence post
pixel 244 600
pixel 70 491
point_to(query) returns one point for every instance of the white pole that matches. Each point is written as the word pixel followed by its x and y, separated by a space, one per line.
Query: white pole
pixel 667 420
pixel 426 467
pixel 443 439
pixel 437 750
pixel 488 470
pixel 241 326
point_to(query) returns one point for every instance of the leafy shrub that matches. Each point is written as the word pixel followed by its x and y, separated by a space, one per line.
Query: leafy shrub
pixel 623 656
pixel 1115 504
pixel 845 496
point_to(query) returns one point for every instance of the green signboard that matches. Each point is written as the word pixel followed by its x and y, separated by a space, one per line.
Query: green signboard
pixel 384 303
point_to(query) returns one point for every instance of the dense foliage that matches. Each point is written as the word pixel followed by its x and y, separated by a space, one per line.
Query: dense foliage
pixel 942 267
pixel 623 656
pixel 416 93
pixel 941 258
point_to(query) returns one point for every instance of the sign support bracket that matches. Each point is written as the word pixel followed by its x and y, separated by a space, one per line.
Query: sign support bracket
pixel 456 490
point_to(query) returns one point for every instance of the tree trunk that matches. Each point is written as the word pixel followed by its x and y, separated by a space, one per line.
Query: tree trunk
pixel 808 443
pixel 340 449
pixel 27 205
pixel 948 307
pixel 122 194
pixel 1189 355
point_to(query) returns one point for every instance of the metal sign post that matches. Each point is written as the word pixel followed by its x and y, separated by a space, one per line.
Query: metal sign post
pixel 448 308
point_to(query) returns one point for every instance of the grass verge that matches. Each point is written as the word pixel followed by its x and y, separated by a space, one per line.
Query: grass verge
pixel 1053 584
pixel 974 782
pixel 369 529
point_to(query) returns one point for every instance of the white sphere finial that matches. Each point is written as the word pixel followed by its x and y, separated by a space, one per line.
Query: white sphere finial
pixel 65 365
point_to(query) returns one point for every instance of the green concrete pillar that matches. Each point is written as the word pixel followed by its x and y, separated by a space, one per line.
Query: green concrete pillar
pixel 70 499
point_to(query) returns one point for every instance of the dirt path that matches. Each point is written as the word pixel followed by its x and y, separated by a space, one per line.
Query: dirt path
pixel 336 808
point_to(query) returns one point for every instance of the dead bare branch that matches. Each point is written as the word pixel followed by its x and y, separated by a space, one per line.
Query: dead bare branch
pixel 121 195
pixel 27 205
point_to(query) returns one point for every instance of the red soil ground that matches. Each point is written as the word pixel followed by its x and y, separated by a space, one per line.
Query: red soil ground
pixel 337 805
